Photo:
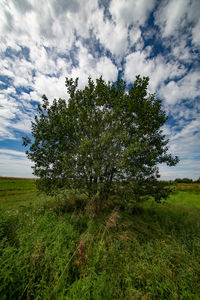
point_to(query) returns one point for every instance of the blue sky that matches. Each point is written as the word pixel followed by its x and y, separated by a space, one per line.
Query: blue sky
pixel 42 42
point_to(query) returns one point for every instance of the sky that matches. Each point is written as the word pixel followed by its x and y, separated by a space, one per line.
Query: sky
pixel 42 42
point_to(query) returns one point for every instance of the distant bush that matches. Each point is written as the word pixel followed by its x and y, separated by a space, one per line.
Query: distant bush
pixel 183 180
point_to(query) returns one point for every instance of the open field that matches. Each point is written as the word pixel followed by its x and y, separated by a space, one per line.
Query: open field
pixel 48 250
pixel 16 192
pixel 188 187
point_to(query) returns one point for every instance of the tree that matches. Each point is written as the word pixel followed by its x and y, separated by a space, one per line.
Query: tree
pixel 198 180
pixel 102 136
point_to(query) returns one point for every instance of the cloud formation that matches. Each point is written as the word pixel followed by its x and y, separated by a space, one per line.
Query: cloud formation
pixel 42 42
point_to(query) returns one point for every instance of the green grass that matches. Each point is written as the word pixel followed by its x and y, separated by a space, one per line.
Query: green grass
pixel 188 187
pixel 190 200
pixel 16 193
pixel 8 186
pixel 49 251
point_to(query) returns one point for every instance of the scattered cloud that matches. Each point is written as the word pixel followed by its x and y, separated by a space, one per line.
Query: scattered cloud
pixel 43 42
pixel 157 68
pixel 196 35
pixel 186 88
pixel 131 12
pixel 12 152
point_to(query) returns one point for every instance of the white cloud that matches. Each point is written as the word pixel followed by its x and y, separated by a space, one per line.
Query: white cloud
pixel 8 107
pixel 12 114
pixel 137 63
pixel 113 36
pixel 156 68
pixel 107 69
pixel 196 34
pixel 135 38
pixel 39 24
pixel 185 169
pixel 190 132
pixel 178 17
pixel 186 145
pixel 170 15
pixel 131 12
pixel 185 88
pixel 12 152
pixel 182 52
pixel 52 87
pixel 89 66
pixel 114 33
pixel 5 132
pixel 41 61
pixel 184 142
pixel 14 164
pixel 23 124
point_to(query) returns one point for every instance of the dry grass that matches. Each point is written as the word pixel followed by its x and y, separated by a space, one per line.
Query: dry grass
pixel 17 178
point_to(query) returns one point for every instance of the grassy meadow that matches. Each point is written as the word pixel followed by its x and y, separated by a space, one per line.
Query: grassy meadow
pixel 16 193
pixel 56 248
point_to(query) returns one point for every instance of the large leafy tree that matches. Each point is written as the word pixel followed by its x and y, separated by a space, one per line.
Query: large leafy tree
pixel 102 136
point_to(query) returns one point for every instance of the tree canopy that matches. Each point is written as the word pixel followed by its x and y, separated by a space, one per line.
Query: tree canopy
pixel 103 136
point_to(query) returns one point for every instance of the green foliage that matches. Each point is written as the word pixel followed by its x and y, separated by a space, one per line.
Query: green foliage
pixel 30 264
pixel 148 252
pixel 198 180
pixel 101 136
pixel 69 201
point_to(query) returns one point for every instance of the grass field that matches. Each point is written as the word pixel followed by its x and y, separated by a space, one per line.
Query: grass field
pixel 15 193
pixel 50 251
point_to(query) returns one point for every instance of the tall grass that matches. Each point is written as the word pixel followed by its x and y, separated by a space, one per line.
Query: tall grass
pixel 50 250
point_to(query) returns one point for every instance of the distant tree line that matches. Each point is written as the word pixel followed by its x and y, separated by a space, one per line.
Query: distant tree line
pixel 186 180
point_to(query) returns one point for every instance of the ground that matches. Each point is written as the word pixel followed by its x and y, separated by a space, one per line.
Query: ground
pixel 50 250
